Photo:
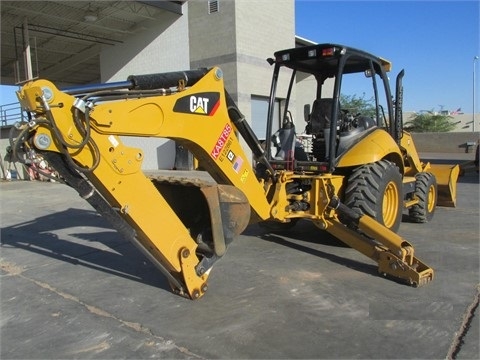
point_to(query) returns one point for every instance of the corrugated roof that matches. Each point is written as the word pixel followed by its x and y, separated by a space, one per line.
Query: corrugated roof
pixel 66 37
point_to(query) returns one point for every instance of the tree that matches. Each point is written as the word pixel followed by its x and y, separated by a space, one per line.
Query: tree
pixel 429 122
pixel 355 104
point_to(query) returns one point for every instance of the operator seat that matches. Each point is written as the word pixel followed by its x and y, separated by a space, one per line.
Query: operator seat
pixel 320 116
pixel 284 141
pixel 320 119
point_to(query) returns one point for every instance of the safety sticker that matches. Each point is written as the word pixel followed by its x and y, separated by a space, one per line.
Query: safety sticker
pixel 244 176
pixel 113 140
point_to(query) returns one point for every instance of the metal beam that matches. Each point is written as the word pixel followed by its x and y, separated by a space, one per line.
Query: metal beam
pixel 66 64
pixel 172 6
pixel 73 35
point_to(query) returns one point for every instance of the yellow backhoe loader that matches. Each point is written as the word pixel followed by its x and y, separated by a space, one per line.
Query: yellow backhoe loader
pixel 350 174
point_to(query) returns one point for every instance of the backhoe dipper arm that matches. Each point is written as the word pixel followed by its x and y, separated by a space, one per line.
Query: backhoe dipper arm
pixel 80 135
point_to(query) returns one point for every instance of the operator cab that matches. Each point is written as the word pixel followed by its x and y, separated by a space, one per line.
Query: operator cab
pixel 331 127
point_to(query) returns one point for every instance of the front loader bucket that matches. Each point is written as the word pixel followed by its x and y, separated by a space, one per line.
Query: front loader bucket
pixel 446 176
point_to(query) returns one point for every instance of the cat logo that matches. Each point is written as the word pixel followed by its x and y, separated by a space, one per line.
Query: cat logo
pixel 199 104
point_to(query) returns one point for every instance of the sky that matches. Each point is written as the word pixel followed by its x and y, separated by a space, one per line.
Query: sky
pixel 434 41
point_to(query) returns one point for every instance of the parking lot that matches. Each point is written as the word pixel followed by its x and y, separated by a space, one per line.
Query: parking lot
pixel 72 288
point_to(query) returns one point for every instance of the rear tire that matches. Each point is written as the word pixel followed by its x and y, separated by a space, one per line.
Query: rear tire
pixel 426 192
pixel 376 190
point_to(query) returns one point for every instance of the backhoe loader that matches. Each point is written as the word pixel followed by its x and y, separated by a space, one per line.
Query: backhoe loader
pixel 350 178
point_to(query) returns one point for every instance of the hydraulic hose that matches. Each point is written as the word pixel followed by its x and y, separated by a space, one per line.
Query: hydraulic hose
pixel 251 139
pixel 166 80
pixel 143 82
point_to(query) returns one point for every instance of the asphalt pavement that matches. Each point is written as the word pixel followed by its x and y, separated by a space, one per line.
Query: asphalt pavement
pixel 71 288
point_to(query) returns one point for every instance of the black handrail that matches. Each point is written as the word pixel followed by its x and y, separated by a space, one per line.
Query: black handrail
pixel 11 113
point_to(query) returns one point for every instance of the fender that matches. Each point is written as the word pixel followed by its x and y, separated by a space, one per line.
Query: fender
pixel 375 146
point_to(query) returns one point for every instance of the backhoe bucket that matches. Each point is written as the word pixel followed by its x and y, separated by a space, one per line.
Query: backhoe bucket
pixel 214 214
pixel 446 176
pixel 229 214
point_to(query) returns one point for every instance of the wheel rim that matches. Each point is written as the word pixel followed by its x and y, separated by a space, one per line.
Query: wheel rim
pixel 390 205
pixel 431 199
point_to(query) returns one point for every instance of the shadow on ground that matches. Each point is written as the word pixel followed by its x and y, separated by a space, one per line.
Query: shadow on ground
pixel 81 237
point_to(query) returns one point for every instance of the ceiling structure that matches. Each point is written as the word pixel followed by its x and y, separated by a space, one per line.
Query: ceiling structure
pixel 66 37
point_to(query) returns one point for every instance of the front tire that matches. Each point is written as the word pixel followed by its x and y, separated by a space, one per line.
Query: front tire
pixel 426 193
pixel 376 190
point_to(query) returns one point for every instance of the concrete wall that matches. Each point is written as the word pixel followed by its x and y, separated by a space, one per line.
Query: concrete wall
pixel 213 40
pixel 463 122
pixel 161 48
pixel 451 142
pixel 239 38
pixel 262 27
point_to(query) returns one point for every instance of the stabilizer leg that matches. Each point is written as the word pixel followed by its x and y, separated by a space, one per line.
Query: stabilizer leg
pixel 394 255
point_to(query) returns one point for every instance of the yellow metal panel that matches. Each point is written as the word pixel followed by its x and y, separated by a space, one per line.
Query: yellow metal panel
pixel 140 117
pixel 414 164
pixel 374 147
pixel 203 127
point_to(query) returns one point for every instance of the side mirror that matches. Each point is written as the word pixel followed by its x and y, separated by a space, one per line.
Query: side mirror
pixel 306 112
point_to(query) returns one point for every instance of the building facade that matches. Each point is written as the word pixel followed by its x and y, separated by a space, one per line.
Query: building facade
pixel 237 36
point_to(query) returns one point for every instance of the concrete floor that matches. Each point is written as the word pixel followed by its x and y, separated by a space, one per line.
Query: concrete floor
pixel 72 289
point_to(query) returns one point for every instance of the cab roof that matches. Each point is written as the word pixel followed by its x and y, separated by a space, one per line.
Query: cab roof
pixel 323 59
